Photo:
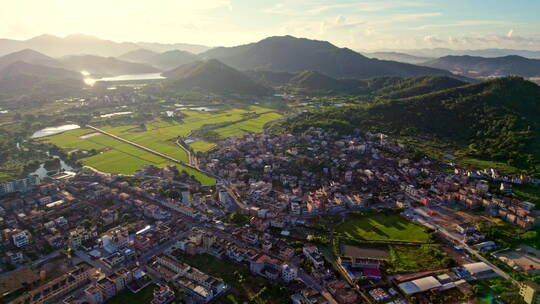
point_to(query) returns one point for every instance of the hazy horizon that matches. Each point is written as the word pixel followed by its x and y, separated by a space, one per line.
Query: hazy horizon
pixel 359 25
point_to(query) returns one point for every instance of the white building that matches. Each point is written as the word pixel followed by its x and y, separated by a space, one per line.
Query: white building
pixel 288 272
pixel 21 239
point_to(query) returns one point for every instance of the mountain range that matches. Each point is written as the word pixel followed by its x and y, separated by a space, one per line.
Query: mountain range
pixel 400 57
pixel 83 44
pixel 441 52
pixel 290 54
pixel 164 61
pixel 472 66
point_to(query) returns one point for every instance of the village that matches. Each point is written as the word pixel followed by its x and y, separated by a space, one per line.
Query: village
pixel 286 222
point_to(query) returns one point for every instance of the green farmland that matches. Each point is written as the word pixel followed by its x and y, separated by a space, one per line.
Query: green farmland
pixel 117 157
pixel 114 156
pixel 255 125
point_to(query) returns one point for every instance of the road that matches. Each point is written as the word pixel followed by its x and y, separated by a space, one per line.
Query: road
pixel 425 218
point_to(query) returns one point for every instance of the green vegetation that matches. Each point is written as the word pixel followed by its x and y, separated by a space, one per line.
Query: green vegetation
pixel 385 226
pixel 528 193
pixel 489 289
pixel 407 258
pixel 255 125
pixel 246 287
pixel 144 296
pixel 494 120
pixel 202 146
pixel 114 156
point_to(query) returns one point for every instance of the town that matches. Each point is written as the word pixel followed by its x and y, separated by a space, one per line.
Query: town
pixel 286 222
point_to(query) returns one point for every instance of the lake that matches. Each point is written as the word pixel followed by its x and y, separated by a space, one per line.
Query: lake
pixel 42 172
pixel 132 77
pixel 54 130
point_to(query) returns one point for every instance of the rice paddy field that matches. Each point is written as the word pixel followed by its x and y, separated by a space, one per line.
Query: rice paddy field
pixel 117 157
pixel 255 125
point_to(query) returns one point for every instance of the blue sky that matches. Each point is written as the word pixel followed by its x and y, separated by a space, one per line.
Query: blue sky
pixel 357 24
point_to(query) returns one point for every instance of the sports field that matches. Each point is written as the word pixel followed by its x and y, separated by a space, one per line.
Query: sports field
pixel 381 227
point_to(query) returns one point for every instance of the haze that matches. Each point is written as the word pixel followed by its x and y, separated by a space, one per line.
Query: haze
pixel 355 24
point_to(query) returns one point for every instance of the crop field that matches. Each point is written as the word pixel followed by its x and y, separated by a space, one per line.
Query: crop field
pixel 201 145
pixel 255 125
pixel 114 156
pixel 381 227
pixel 118 157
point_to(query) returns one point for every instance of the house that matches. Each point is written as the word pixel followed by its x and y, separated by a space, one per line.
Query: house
pixel 530 291
pixel 288 272
pixel 312 253
pixel 21 239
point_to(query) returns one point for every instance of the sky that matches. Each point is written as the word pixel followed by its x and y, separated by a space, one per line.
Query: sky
pixel 357 24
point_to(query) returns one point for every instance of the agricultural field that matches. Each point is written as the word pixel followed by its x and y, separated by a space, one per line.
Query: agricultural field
pixel 160 135
pixel 381 227
pixel 202 145
pixel 413 258
pixel 114 156
pixel 255 125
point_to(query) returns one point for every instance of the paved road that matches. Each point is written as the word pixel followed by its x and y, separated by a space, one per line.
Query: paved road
pixel 424 218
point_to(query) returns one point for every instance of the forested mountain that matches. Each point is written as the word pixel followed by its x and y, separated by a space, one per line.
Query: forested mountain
pixel 105 66
pixel 212 76
pixel 138 55
pixel 471 66
pixel 497 119
pixel 23 83
pixel 292 54
pixel 31 57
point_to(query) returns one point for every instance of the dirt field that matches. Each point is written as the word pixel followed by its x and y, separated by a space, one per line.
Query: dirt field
pixel 524 258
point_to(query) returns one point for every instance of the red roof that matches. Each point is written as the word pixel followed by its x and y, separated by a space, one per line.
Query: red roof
pixel 371 272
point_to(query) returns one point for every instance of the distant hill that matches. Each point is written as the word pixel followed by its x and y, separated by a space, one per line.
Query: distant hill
pixel 172 59
pixel 84 44
pixel 138 55
pixel 313 81
pixel 399 57
pixel 105 66
pixel 270 78
pixel 497 119
pixel 164 61
pixel 162 47
pixel 31 57
pixel 484 67
pixel 212 76
pixel 410 87
pixel 292 54
pixel 37 82
pixel 441 52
